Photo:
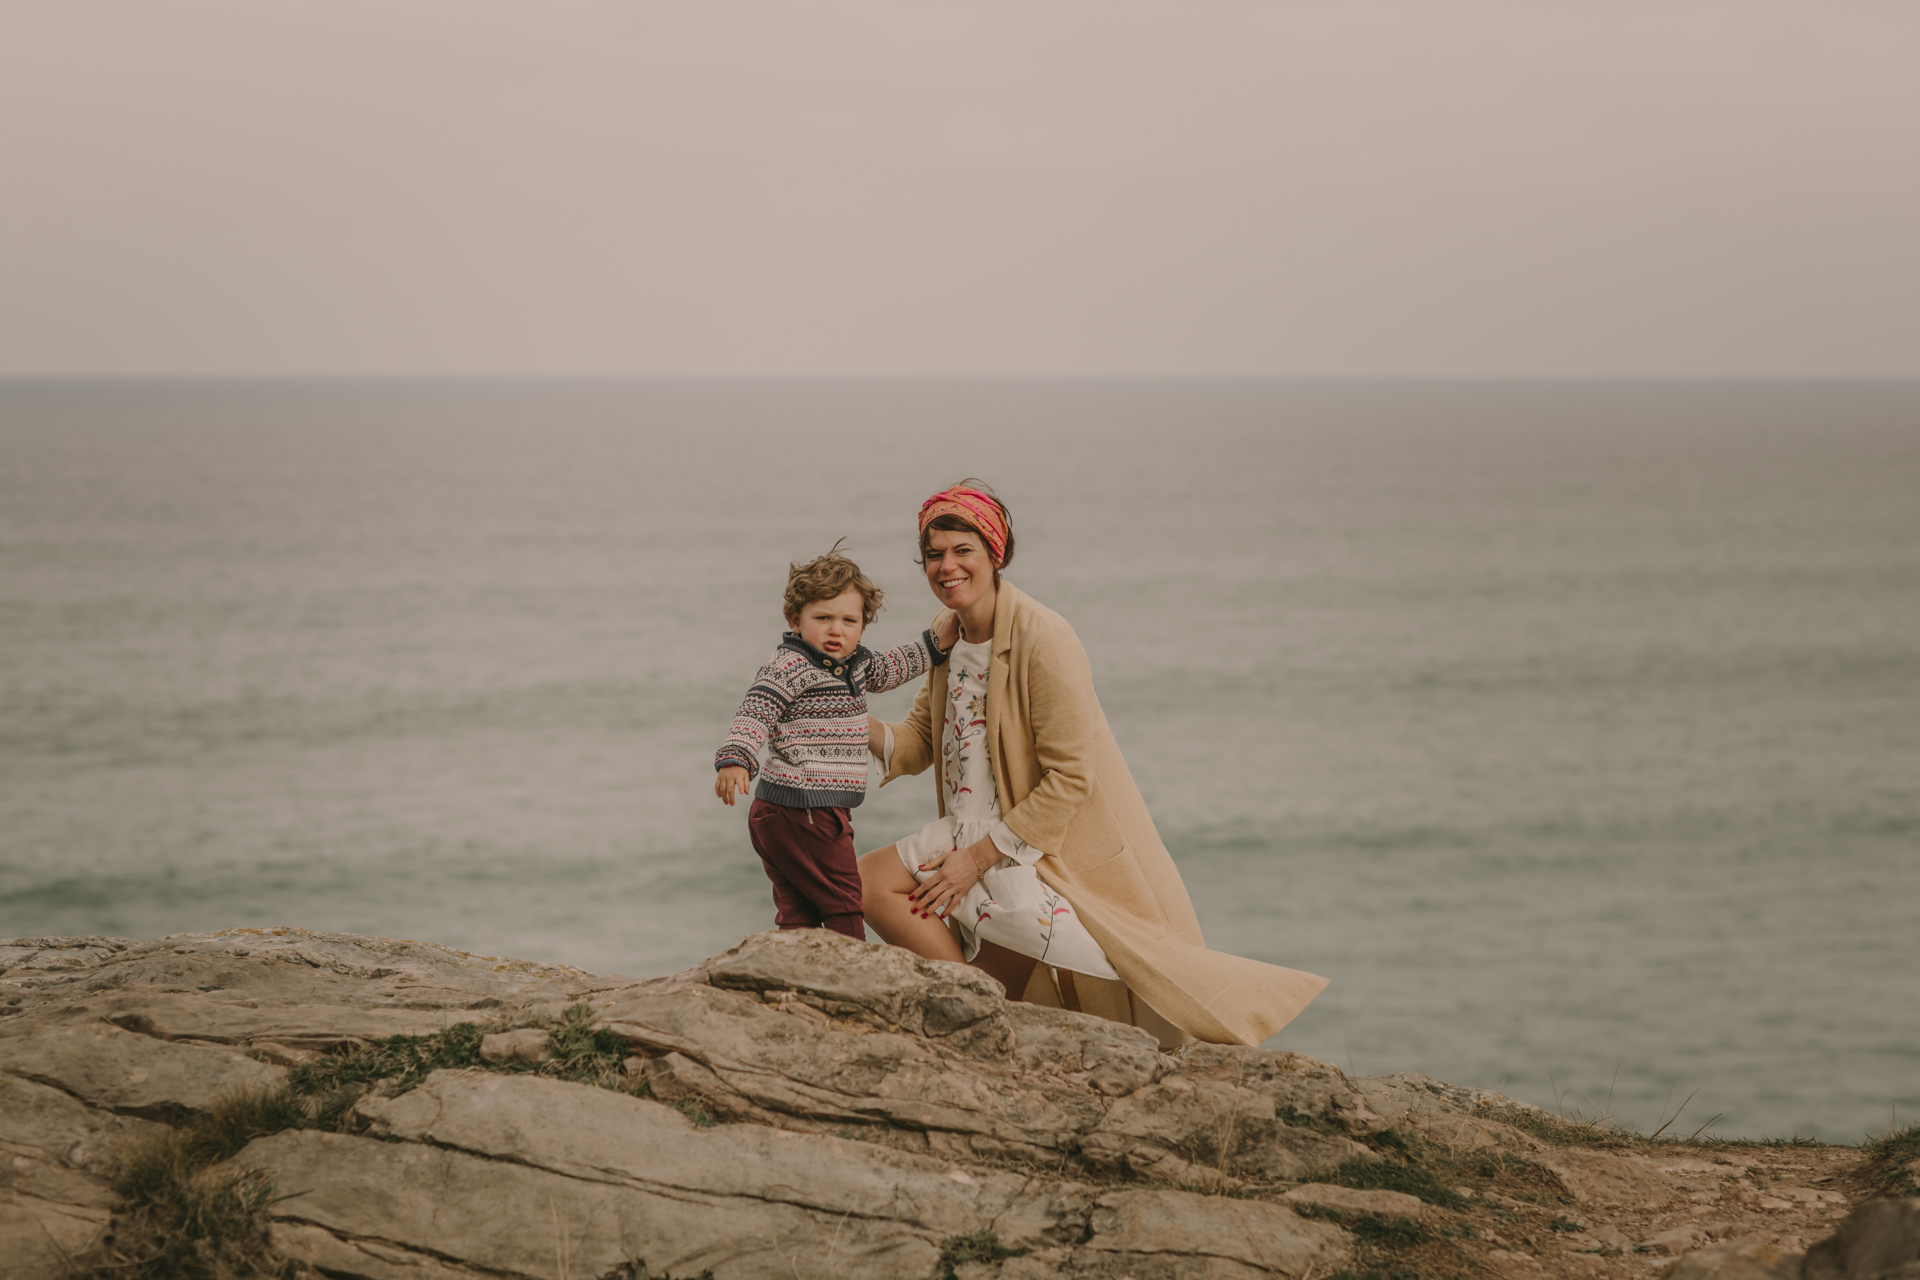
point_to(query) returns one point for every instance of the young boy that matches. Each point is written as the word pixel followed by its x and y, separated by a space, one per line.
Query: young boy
pixel 808 706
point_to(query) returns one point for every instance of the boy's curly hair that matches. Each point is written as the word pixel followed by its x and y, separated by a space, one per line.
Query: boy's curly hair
pixel 823 578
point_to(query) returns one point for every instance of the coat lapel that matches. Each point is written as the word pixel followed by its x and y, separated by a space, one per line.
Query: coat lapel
pixel 997 691
pixel 937 697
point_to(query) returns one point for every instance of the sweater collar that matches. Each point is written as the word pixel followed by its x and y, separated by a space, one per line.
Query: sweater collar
pixel 825 661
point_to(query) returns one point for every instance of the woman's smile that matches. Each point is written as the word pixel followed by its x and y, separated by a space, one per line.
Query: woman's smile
pixel 958 567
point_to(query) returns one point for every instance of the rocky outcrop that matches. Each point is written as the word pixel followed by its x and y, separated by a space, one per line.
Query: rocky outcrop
pixel 803 1104
pixel 128 1074
pixel 804 1033
pixel 1739 1260
pixel 1880 1240
pixel 869 1106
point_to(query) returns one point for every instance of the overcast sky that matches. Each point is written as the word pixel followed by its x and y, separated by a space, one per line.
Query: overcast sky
pixel 1457 187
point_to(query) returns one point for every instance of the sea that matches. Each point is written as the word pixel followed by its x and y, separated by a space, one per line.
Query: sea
pixel 1571 728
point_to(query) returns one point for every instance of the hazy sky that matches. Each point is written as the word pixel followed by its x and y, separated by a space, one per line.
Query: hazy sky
pixel 1031 187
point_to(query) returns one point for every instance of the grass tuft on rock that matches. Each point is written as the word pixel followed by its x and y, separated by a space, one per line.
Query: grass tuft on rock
pixel 185 1217
pixel 704 1119
pixel 400 1063
pixel 1389 1233
pixel 637 1270
pixel 981 1246
pixel 1371 1228
pixel 584 1055
pixel 1605 1133
pixel 1391 1175
pixel 1393 1139
pixel 1294 1118
pixel 231 1123
pixel 1894 1161
pixel 1318 1212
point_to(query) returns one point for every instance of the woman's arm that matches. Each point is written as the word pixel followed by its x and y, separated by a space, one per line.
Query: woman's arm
pixel 913 737
pixel 1066 720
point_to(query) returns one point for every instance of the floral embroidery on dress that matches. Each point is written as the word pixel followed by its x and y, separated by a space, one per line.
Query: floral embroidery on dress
pixel 1010 905
pixel 966 729
pixel 1052 907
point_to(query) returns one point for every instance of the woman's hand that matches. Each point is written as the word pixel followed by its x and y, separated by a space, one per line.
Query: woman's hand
pixel 953 874
pixel 730 782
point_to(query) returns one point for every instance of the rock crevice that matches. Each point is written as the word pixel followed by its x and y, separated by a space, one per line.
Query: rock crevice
pixel 801 1105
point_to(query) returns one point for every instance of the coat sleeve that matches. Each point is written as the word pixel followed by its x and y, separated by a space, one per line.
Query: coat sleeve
pixel 913 737
pixel 1066 720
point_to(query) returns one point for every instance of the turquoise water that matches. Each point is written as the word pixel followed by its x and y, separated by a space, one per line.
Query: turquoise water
pixel 1570 729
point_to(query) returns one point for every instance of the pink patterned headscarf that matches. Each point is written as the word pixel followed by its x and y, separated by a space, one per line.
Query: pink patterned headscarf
pixel 976 508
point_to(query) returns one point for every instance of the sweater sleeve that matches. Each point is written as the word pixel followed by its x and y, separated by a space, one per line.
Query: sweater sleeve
pixel 894 667
pixel 768 698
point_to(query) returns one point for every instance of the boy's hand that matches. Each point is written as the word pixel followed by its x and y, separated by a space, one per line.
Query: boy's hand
pixel 946 629
pixel 730 782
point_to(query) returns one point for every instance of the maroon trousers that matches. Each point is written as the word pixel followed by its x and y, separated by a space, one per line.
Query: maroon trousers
pixel 808 854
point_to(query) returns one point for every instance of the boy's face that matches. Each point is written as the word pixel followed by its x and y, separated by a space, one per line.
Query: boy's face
pixel 833 626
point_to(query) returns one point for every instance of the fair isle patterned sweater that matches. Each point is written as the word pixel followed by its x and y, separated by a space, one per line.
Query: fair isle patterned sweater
pixel 810 711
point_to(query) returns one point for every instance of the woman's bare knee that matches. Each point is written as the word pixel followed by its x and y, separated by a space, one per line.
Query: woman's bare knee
pixel 882 879
pixel 884 886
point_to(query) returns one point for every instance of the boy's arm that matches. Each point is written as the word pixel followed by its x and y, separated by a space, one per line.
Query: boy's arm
pixel 913 738
pixel 894 667
pixel 767 700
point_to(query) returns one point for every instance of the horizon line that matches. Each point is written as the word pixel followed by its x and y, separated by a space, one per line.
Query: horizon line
pixel 17 379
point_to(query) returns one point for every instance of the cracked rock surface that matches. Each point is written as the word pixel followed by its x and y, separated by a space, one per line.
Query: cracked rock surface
pixel 802 1105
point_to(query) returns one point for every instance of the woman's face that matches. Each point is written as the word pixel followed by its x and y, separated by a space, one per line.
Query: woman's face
pixel 959 567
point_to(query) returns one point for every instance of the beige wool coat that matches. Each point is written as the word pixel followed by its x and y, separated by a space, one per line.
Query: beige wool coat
pixel 1065 789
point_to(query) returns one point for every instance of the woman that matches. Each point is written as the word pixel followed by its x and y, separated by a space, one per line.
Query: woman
pixel 1044 868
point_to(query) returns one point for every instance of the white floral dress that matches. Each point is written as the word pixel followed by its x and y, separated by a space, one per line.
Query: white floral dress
pixel 1010 904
